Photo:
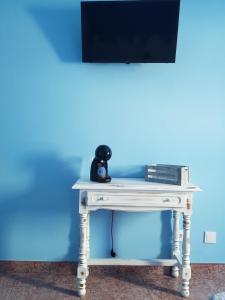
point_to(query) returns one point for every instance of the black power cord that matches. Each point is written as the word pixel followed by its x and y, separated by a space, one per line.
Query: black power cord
pixel 113 254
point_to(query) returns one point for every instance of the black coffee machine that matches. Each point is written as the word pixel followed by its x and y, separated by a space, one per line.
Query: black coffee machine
pixel 99 166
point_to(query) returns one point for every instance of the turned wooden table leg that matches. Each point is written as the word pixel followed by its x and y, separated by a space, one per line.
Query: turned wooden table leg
pixel 82 270
pixel 176 243
pixel 88 236
pixel 186 267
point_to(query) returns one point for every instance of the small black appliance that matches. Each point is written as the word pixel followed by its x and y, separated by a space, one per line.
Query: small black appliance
pixel 99 166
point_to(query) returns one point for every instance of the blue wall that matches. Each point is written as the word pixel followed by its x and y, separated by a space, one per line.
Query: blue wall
pixel 55 110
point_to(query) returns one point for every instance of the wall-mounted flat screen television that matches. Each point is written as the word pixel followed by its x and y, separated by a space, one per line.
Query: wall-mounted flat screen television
pixel 129 31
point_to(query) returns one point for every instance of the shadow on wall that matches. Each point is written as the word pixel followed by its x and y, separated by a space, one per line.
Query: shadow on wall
pixel 61 26
pixel 166 234
pixel 50 196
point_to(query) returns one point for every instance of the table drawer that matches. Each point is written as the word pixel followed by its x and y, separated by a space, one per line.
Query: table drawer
pixel 138 199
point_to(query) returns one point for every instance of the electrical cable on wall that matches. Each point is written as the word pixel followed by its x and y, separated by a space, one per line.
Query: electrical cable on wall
pixel 113 254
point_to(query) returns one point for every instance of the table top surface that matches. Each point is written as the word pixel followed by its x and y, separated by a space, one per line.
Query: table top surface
pixel 134 184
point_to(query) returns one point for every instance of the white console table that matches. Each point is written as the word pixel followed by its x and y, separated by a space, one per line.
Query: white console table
pixel 136 195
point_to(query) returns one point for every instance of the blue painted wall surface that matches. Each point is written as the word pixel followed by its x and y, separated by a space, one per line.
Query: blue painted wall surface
pixel 55 110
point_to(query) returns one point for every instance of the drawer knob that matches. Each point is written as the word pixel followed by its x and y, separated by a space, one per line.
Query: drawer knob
pixel 166 200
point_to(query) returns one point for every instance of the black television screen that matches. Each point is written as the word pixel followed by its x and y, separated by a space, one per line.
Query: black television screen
pixel 129 31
